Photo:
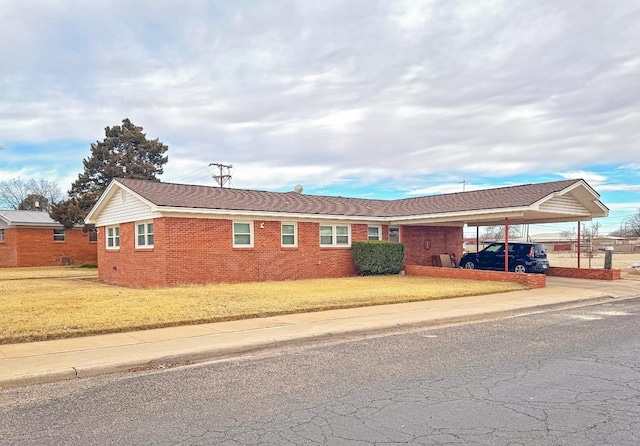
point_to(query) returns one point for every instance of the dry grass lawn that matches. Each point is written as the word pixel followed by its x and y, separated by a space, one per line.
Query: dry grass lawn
pixel 43 272
pixel 60 307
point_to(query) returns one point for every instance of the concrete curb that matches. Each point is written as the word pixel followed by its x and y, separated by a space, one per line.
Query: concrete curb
pixel 252 345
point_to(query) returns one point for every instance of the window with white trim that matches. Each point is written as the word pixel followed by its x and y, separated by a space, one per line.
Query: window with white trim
pixel 59 235
pixel 289 235
pixel 242 234
pixel 1 235
pixel 113 237
pixel 374 233
pixel 335 235
pixel 144 234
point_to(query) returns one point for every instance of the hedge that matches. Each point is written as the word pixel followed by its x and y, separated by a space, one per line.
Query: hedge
pixel 378 257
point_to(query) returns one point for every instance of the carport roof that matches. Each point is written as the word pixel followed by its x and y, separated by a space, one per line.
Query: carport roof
pixel 568 200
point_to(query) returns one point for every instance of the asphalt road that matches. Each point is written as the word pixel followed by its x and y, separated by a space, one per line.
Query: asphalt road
pixel 567 377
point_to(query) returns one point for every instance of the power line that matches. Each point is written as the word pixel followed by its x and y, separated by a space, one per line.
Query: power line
pixel 194 174
pixel 224 175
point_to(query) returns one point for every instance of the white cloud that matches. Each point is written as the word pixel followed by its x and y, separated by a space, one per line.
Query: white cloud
pixel 590 177
pixel 413 95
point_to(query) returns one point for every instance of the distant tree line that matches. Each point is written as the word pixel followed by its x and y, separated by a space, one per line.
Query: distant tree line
pixel 630 227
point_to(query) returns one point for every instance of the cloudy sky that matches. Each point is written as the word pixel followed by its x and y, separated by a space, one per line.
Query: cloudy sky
pixel 380 99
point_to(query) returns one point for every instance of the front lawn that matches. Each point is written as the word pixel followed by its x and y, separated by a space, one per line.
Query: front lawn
pixel 59 307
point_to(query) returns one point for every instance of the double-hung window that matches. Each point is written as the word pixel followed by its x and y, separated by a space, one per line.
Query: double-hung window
pixel 1 235
pixel 59 235
pixel 243 234
pixel 335 235
pixel 373 233
pixel 289 235
pixel 113 237
pixel 144 234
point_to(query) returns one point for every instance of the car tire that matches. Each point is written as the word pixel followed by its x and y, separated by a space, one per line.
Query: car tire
pixel 519 268
pixel 469 264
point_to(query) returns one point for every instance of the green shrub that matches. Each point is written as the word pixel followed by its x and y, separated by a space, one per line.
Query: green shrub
pixel 378 257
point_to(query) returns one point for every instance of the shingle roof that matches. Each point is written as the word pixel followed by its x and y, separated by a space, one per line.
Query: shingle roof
pixel 207 197
pixel 27 218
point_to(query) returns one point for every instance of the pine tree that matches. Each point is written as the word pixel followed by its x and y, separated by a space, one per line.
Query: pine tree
pixel 125 152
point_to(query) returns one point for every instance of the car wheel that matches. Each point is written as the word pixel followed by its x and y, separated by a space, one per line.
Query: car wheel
pixel 469 264
pixel 519 268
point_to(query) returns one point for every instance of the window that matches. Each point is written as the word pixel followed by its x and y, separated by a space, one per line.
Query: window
pixel 335 235
pixel 59 235
pixel 243 235
pixel 374 233
pixel 394 234
pixel 289 235
pixel 113 237
pixel 1 235
pixel 144 235
pixel 93 235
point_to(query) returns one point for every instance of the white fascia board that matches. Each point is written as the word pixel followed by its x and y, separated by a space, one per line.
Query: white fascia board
pixel 586 186
pixel 54 225
pixel 603 208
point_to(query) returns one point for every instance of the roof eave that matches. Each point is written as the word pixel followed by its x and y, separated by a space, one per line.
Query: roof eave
pixel 172 210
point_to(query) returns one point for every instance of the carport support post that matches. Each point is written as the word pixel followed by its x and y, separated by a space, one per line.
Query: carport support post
pixel 506 244
pixel 578 245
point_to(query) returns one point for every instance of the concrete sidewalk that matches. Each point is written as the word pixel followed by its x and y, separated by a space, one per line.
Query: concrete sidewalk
pixel 49 361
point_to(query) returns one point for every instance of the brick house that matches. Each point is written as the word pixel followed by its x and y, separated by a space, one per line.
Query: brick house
pixel 32 238
pixel 153 234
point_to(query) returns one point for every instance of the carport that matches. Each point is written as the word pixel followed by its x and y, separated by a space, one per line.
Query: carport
pixel 577 203
pixel 553 202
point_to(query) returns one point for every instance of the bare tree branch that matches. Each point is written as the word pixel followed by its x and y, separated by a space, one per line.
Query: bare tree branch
pixel 21 194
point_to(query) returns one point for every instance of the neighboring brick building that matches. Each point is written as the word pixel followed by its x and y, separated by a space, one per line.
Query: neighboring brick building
pixel 32 238
pixel 161 234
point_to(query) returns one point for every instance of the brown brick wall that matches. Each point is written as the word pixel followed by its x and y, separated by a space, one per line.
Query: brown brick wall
pixel 35 247
pixel 189 250
pixel 130 265
pixel 439 240
pixel 8 249
pixel 596 274
pixel 529 280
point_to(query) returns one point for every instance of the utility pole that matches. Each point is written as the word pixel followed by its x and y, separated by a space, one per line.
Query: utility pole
pixel 464 183
pixel 224 175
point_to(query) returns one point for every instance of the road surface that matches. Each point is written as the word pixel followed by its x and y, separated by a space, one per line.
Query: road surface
pixel 566 377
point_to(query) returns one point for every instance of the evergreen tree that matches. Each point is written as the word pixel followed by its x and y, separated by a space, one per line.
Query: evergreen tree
pixel 34 202
pixel 125 152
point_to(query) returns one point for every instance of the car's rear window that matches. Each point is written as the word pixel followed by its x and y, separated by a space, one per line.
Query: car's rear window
pixel 539 251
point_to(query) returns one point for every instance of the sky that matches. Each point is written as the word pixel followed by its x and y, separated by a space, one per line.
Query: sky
pixel 359 98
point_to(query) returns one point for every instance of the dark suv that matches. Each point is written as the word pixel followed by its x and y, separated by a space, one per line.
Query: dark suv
pixel 523 258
